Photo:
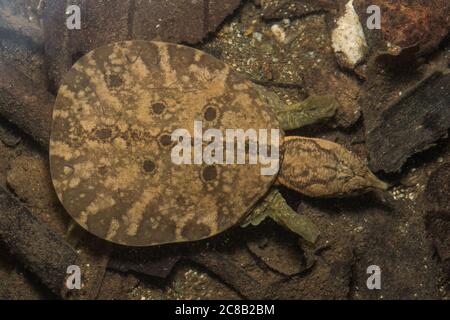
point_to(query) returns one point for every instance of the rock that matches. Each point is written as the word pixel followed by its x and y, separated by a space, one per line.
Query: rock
pixel 117 285
pixel 93 259
pixel 148 261
pixel 278 9
pixel 30 179
pixel 438 214
pixel 25 104
pixel 374 230
pixel 231 274
pixel 411 124
pixel 305 63
pixel 323 282
pixel 23 55
pixel 217 11
pixel 348 40
pixel 391 77
pixel 385 83
pixel 9 137
pixel 38 248
pixel 438 189
pixel 16 284
pixel 280 251
pixel 21 24
pixel 323 80
pixel 186 21
pixel 330 276
pixel 406 23
pixel 439 229
pixel 279 33
pixel 321 73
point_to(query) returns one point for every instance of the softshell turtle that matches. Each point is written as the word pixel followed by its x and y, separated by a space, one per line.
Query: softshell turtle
pixel 112 146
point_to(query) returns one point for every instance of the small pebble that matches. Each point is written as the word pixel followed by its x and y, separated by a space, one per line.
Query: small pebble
pixel 257 36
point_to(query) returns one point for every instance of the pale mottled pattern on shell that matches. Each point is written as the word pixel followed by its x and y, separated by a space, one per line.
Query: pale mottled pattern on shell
pixel 110 152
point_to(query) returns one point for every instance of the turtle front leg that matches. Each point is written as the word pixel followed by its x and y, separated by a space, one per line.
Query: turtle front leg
pixel 275 207
pixel 321 168
pixel 313 110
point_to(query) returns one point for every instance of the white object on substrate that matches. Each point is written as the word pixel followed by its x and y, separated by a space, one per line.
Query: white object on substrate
pixel 348 40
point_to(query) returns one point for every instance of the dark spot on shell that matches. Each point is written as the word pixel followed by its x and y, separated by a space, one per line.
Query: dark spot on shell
pixel 103 170
pixel 181 200
pixel 158 108
pixel 209 173
pixel 115 80
pixel 165 140
pixel 194 231
pixel 210 113
pixel 149 166
pixel 104 134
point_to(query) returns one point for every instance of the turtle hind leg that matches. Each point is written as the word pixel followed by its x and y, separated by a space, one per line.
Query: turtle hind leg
pixel 321 168
pixel 275 207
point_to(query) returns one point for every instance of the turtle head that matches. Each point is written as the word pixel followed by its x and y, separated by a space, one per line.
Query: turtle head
pixel 321 168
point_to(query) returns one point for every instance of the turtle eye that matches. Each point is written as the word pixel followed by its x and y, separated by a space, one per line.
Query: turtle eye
pixel 210 113
pixel 158 108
